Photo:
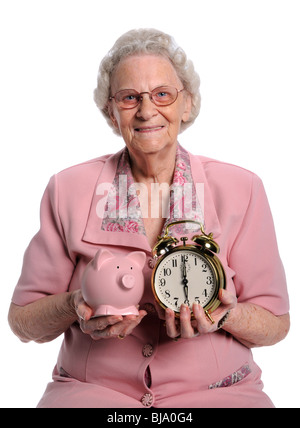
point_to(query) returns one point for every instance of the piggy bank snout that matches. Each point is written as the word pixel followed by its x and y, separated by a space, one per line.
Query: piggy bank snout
pixel 128 281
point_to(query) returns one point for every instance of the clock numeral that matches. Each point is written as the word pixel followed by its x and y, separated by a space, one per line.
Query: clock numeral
pixel 197 300
pixel 167 272
pixel 204 267
pixel 167 294
pixel 209 280
pixel 184 258
pixel 162 282
pixel 205 292
pixel 174 262
pixel 176 301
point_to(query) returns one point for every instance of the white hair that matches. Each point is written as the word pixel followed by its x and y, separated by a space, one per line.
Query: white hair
pixel 147 41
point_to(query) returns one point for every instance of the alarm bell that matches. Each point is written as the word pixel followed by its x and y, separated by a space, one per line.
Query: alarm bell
pixel 165 244
pixel 207 243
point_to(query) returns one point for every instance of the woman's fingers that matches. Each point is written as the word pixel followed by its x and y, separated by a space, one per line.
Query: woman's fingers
pixel 84 312
pixel 129 323
pixel 179 327
pixel 99 323
pixel 112 326
pixel 104 326
pixel 227 299
pixel 171 324
pixel 202 323
pixel 188 327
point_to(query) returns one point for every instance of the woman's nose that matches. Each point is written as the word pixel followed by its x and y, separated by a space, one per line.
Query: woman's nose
pixel 146 108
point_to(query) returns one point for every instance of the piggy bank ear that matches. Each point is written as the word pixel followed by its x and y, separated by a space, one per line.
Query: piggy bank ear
pixel 138 257
pixel 100 257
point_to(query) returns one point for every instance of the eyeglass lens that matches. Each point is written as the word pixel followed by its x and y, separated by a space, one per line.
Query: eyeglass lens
pixel 162 96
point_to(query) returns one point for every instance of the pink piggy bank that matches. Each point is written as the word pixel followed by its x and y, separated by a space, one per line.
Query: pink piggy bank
pixel 114 285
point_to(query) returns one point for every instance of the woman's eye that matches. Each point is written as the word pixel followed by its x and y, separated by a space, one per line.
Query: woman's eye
pixel 129 98
pixel 162 94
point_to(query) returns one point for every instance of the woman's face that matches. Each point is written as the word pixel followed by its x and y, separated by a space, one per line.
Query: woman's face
pixel 147 127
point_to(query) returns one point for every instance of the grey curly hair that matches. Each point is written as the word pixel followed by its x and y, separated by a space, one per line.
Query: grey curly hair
pixel 147 41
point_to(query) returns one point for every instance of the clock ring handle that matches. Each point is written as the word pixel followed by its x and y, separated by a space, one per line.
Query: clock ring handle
pixel 166 242
pixel 174 223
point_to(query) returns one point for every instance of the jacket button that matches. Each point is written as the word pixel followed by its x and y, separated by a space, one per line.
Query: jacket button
pixel 151 263
pixel 147 400
pixel 147 350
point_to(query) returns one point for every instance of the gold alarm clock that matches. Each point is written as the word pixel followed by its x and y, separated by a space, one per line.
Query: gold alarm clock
pixel 187 273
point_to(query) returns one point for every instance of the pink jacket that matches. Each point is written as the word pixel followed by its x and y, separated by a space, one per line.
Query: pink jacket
pixel 212 370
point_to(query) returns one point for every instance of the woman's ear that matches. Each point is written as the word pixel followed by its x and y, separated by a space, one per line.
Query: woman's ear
pixel 112 116
pixel 188 108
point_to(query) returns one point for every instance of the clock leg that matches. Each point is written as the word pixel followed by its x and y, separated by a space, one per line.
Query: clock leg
pixel 209 317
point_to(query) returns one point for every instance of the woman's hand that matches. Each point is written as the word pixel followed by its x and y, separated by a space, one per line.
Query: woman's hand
pixel 104 327
pixel 187 328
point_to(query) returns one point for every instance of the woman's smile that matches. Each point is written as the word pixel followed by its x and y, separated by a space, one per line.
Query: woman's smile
pixel 148 129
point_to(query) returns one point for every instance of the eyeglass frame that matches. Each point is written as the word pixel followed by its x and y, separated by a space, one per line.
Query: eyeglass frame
pixel 139 96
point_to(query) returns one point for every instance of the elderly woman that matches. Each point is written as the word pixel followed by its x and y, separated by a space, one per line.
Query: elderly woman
pixel 149 92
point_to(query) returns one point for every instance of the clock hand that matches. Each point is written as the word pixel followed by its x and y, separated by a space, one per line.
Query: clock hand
pixel 185 282
pixel 186 293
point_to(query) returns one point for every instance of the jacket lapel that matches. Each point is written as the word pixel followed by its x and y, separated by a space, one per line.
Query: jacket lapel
pixel 211 220
pixel 94 232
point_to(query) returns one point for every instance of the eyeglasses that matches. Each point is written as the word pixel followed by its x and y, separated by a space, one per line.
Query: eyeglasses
pixel 162 96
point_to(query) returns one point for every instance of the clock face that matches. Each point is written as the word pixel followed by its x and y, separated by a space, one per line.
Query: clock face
pixel 185 276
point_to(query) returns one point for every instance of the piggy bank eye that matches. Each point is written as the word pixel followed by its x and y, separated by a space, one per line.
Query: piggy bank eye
pixel 118 267
pixel 131 267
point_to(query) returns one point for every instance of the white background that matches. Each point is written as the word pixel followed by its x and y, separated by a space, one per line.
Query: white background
pixel 247 55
